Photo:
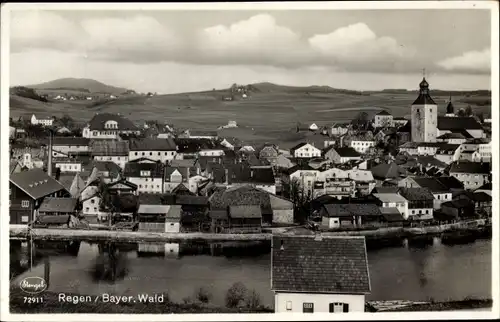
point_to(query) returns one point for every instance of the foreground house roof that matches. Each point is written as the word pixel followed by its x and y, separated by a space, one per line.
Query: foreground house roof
pixel 98 121
pixel 330 265
pixel 458 123
pixel 470 167
pixel 35 183
pixel 58 205
pixel 149 144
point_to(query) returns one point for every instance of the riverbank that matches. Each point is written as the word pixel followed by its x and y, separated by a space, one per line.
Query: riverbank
pixel 20 233
pixel 467 304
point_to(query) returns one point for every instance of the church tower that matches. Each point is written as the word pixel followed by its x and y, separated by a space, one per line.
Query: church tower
pixel 450 110
pixel 424 116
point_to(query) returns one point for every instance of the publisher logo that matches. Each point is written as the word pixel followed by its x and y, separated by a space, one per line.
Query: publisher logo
pixel 33 285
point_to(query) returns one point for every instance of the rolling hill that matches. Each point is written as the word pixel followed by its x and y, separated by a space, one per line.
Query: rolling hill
pixel 79 85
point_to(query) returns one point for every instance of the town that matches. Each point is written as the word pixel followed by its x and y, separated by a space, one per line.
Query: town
pixel 373 174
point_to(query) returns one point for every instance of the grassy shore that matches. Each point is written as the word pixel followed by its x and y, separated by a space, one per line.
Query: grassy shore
pixel 51 304
pixel 468 304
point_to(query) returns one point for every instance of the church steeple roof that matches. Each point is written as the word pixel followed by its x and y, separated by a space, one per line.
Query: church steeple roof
pixel 450 108
pixel 424 98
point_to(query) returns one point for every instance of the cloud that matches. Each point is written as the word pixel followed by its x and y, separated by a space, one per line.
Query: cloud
pixel 475 62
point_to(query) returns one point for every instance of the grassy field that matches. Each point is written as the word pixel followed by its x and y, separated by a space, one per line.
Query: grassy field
pixel 264 116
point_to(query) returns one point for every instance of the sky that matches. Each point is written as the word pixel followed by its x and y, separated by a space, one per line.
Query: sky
pixel 182 51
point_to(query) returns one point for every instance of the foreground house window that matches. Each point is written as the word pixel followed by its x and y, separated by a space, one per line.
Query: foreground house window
pixel 339 307
pixel 289 305
pixel 308 308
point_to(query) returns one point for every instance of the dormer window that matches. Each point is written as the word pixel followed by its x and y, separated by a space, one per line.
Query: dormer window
pixel 111 125
pixel 145 173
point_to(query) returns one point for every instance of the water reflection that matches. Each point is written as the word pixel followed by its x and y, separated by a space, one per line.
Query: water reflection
pixel 111 264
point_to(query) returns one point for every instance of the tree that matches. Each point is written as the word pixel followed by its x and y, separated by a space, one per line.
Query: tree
pixel 236 294
pixel 461 112
pixel 67 121
pixel 203 295
pixel 253 300
pixel 361 122
pixel 301 200
pixel 468 110
pixel 107 202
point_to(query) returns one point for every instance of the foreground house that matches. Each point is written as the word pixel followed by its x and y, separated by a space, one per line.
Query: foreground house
pixel 58 207
pixel 314 274
pixel 27 191
pixel 305 150
pixel 63 146
pixel 161 150
pixel 472 174
pixel 148 176
pixel 342 154
pixel 110 150
pixel 349 215
pixel 109 126
pixel 420 203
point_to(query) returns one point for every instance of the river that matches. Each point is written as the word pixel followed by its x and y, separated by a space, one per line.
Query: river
pixel 429 272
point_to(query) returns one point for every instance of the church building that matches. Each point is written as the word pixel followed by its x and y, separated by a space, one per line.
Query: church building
pixel 424 116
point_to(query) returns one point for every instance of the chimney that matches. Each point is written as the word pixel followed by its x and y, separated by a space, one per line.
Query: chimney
pixel 226 171
pixel 49 163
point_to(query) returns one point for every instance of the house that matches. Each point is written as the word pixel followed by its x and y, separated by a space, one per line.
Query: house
pixel 420 203
pixel 305 150
pixel 27 191
pixel 452 138
pixel 57 221
pixel 483 203
pixel 58 207
pixel 393 200
pixel 486 188
pixel 109 126
pixel 339 129
pixel 441 192
pixel 110 150
pixel 342 154
pixel 194 210
pixel 63 146
pixel 471 174
pixel 362 146
pixel 388 173
pixel 313 127
pixel 180 174
pixel 399 121
pixel 483 153
pixel 334 182
pixel 44 121
pixel 383 119
pixel 351 215
pixel 409 147
pixel 122 187
pixel 269 153
pixel 67 165
pixel 148 177
pixel 320 164
pixel 458 209
pixel 319 274
pixel 161 150
pixel 188 148
pixel 282 162
pixel 15 167
pixel 261 177
pixel 363 179
pixel 245 219
pixel 458 124
pixel 108 171
pixel 198 134
pixel 302 176
pixel 154 216
pixel 448 153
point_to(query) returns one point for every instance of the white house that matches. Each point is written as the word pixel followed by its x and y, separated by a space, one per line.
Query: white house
pixel 68 165
pixel 393 200
pixel 109 126
pixel 383 119
pixel 305 150
pixel 472 174
pixel 148 176
pixel 459 124
pixel 48 121
pixel 304 178
pixel 362 146
pixel 314 274
pixel 62 146
pixel 363 179
pixel 110 150
pixel 483 153
pixel 161 150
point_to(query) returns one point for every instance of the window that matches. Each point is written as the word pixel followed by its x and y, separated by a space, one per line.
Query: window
pixel 25 203
pixel 135 153
pixel 339 307
pixel 150 153
pixel 308 308
pixel 166 153
pixel 92 201
pixel 24 219
pixel 159 153
pixel 95 209
pixel 288 305
pixel 171 224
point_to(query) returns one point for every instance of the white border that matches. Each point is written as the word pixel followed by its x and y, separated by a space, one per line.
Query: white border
pixel 352 5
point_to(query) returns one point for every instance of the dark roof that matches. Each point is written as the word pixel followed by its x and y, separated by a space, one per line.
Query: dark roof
pixel 58 205
pixel 218 214
pixel 432 184
pixel 450 108
pixel 470 167
pixel 482 196
pixel 191 200
pixel 36 183
pixel 383 112
pixel 450 182
pixel 352 209
pixel 458 123
pixel 416 194
pixel 244 195
pixel 70 141
pixel 430 161
pixel 452 135
pixel 98 121
pixel 329 265
pixel 241 173
pixel 109 148
pixel 386 189
pixel 150 199
pixel 486 186
pixel 247 211
pixel 457 203
pixel 107 166
pixel 150 144
pixel 347 152
pixel 424 99
pixel 133 169
pixel 124 182
pixel 387 171
pixel 55 220
pixel 181 189
pixel 392 214
pixel 193 145
pixel 298 146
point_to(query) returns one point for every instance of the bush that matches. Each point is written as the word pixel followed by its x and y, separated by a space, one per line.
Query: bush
pixel 235 295
pixel 253 301
pixel 203 295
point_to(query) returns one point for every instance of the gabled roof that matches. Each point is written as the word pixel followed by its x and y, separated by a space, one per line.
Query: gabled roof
pixel 133 169
pixel 432 184
pixel 107 166
pixel 54 220
pixel 122 183
pixel 392 214
pixel 330 265
pixel 389 197
pixel 149 144
pixel 450 182
pixel 347 152
pixel 35 183
pixel 98 121
pixel 58 205
pixel 360 175
pixel 482 196
pixel 470 167
pixel 385 171
pixel 109 148
pixel 383 112
pixel 416 194
pixel 451 135
pixel 70 141
pixel 458 123
pixel 486 186
pixel 430 161
pixel 351 209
